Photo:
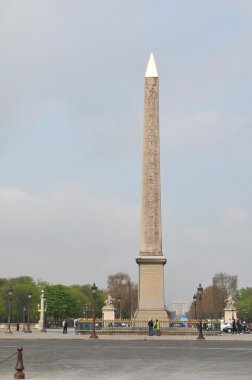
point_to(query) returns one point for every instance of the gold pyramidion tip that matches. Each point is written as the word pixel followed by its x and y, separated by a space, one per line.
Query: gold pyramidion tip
pixel 151 68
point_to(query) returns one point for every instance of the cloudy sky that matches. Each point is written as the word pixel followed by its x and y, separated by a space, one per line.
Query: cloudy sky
pixel 71 124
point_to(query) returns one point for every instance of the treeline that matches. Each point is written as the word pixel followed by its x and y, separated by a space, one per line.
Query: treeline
pixel 213 303
pixel 244 304
pixel 215 296
pixel 64 301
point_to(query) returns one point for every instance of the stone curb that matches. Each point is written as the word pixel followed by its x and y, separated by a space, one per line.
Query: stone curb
pixel 57 335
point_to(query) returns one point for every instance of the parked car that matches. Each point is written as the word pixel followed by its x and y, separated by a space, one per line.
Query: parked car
pixel 226 327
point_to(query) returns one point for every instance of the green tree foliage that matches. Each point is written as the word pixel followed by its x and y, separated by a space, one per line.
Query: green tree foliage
pixel 100 298
pixel 62 301
pixel 22 280
pixel 86 300
pixel 20 300
pixel 3 282
pixel 21 286
pixel 2 308
pixel 72 301
pixel 244 304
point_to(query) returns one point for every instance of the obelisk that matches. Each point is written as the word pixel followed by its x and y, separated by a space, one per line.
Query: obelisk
pixel 151 261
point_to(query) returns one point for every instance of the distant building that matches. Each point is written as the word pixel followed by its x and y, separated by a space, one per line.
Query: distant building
pixel 180 308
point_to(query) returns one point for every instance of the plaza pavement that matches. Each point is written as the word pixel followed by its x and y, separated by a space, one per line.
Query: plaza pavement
pixel 57 356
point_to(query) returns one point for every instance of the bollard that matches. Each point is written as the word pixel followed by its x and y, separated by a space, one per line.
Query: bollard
pixel 19 366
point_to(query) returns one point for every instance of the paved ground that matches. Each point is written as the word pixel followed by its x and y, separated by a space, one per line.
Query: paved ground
pixel 56 356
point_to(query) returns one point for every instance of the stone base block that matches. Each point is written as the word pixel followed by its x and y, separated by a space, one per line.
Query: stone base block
pixel 147 314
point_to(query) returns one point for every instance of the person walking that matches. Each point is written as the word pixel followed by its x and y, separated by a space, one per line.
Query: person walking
pixel 65 324
pixel 234 329
pixel 75 325
pixel 150 325
pixel 157 327
pixel 239 326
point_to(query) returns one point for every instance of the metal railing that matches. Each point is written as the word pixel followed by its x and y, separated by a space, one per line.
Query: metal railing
pixel 129 326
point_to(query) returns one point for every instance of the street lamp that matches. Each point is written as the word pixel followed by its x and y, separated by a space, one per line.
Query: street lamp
pixel 194 303
pixel 28 330
pixel 44 312
pixel 94 289
pixel 85 309
pixel 199 297
pixel 24 310
pixel 119 307
pixel 10 292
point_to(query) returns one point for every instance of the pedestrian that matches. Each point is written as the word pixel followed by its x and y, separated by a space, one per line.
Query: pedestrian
pixel 65 324
pixel 239 326
pixel 17 326
pixel 234 329
pixel 150 325
pixel 157 327
pixel 75 325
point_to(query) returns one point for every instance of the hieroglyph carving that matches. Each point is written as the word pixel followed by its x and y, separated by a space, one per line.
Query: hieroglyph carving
pixel 151 243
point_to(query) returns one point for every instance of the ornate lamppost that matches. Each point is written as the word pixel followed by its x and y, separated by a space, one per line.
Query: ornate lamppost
pixel 24 310
pixel 119 307
pixel 199 298
pixel 44 316
pixel 10 292
pixel 44 309
pixel 85 309
pixel 28 330
pixel 94 289
pixel 194 304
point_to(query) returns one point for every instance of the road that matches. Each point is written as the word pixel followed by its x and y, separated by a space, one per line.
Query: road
pixel 128 360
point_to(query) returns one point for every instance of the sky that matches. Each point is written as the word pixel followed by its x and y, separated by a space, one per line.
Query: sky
pixel 71 127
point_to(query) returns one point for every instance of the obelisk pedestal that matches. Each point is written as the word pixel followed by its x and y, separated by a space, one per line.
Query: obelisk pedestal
pixel 151 260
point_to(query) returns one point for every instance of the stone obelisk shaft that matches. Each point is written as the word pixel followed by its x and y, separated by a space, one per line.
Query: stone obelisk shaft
pixel 151 229
pixel 151 261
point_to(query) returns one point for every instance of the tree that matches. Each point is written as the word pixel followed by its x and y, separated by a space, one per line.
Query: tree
pixel 226 282
pixel 62 302
pixel 244 304
pixel 124 293
pixel 2 309
pixel 3 282
pixel 20 300
pixel 100 297
pixel 212 303
pixel 71 301
pixel 22 286
pixel 84 301
pixel 85 297
pixel 22 280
